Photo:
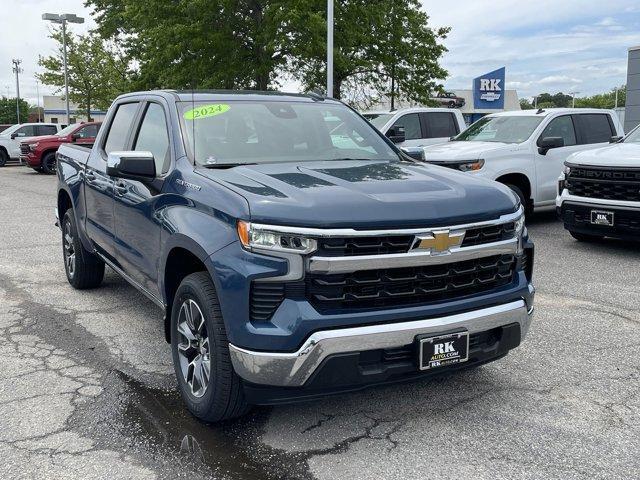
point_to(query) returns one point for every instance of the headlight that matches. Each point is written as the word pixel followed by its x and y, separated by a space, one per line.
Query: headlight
pixel 567 170
pixel 519 225
pixel 33 146
pixel 471 166
pixel 264 237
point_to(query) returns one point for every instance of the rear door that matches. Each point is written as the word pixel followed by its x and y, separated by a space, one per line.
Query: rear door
pixel 440 126
pixel 100 224
pixel 594 129
pixel 138 226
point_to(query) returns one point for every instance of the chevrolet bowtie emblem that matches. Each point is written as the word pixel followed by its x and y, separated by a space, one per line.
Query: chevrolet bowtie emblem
pixel 440 241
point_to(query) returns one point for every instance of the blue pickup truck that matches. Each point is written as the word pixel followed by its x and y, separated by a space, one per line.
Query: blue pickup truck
pixel 294 250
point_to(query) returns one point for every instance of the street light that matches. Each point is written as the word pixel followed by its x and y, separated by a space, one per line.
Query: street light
pixel 329 48
pixel 63 19
pixel 573 99
pixel 17 70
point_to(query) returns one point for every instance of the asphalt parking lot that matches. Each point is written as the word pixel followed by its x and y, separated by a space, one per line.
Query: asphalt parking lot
pixel 87 386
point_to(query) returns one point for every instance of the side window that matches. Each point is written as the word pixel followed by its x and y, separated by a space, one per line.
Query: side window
pixel 26 131
pixel 594 128
pixel 120 127
pixel 440 124
pixel 46 130
pixel 561 127
pixel 153 137
pixel 411 124
pixel 90 131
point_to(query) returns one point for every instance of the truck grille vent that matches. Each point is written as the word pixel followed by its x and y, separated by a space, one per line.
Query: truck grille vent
pixel 265 299
pixel 489 234
pixel 408 286
pixel 24 149
pixel 605 184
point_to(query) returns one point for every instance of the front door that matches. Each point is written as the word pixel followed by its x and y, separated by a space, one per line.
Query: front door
pixel 138 224
pixel 100 222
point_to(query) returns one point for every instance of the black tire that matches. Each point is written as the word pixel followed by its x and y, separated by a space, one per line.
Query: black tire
pixel 223 397
pixel 48 165
pixel 526 204
pixel 4 158
pixel 452 104
pixel 85 270
pixel 584 237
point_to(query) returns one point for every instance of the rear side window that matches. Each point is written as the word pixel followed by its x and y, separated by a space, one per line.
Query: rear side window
pixel 440 124
pixel 411 125
pixel 594 128
pixel 561 127
pixel 47 130
pixel 153 137
pixel 120 127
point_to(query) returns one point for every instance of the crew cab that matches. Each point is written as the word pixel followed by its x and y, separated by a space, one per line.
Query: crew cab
pixel 419 126
pixel 289 263
pixel 39 153
pixel 526 150
pixel 599 191
pixel 449 99
pixel 11 137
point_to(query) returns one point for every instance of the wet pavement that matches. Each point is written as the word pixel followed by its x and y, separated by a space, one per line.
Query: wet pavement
pixel 87 387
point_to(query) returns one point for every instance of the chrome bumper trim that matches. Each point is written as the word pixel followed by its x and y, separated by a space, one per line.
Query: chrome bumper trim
pixel 410 259
pixel 294 369
pixel 596 202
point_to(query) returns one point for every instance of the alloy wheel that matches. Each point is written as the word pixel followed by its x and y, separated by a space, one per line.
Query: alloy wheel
pixel 193 348
pixel 69 250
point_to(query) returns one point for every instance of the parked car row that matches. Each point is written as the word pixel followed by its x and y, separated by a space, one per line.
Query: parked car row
pixel 36 144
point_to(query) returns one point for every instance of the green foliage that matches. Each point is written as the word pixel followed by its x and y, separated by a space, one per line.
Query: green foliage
pixel 237 44
pixel 525 104
pixel 604 100
pixel 560 100
pixel 98 71
pixel 8 114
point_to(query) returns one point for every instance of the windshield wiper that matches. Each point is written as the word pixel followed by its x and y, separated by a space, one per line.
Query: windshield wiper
pixel 225 165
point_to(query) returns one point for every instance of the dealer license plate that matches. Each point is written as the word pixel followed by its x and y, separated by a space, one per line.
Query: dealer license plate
pixel 601 217
pixel 443 350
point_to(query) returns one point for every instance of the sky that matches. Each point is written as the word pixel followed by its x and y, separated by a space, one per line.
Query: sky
pixel 546 45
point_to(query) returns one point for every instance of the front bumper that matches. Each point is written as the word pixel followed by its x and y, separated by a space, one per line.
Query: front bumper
pixel 294 369
pixel 575 214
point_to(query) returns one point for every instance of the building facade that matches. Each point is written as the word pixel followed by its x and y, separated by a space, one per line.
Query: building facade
pixel 55 111
pixel 632 105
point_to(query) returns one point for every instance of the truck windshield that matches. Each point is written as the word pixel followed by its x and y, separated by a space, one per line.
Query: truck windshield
pixel 378 119
pixel 243 132
pixel 504 129
pixel 67 130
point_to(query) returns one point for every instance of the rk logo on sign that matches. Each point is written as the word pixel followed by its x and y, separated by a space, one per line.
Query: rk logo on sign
pixel 488 90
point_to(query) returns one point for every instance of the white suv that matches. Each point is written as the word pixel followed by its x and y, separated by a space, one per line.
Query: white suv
pixel 526 150
pixel 419 126
pixel 11 137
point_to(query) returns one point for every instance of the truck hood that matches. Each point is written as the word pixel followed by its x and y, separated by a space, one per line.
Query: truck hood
pixel 616 155
pixel 43 138
pixel 463 150
pixel 361 194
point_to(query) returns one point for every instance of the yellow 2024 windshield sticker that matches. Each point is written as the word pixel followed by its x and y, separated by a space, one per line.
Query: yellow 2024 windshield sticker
pixel 204 111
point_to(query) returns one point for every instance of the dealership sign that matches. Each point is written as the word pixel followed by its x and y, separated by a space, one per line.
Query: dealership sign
pixel 488 90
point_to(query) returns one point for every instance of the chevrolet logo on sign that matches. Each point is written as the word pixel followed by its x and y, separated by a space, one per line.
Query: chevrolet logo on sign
pixel 439 242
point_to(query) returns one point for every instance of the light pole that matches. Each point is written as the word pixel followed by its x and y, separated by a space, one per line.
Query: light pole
pixel 38 102
pixel 63 19
pixel 17 70
pixel 329 48
pixel 573 99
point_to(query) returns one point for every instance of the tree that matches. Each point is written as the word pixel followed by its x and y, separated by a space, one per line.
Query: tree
pixel 557 100
pixel 604 100
pixel 385 47
pixel 98 71
pixel 525 104
pixel 8 112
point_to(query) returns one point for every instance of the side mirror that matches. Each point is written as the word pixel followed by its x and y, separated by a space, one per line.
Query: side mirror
pixel 615 139
pixel 14 136
pixel 547 143
pixel 133 165
pixel 417 153
pixel 396 134
pixel 75 137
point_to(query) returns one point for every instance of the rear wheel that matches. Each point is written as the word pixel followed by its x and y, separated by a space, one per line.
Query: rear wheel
pixel 452 104
pixel 583 237
pixel 4 158
pixel 49 163
pixel 206 379
pixel 83 268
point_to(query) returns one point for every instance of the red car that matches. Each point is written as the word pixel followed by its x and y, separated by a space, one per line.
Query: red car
pixel 40 152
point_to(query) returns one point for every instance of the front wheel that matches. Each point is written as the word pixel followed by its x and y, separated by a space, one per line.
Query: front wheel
pixel 83 268
pixel 207 381
pixel 49 163
pixel 4 158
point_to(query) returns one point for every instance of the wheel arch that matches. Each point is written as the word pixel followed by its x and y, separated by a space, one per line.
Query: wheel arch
pixel 521 181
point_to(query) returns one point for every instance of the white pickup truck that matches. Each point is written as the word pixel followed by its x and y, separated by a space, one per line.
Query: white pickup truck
pixel 11 137
pixel 526 150
pixel 418 126
pixel 599 191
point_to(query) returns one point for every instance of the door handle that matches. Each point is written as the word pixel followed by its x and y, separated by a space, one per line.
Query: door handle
pixel 120 188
